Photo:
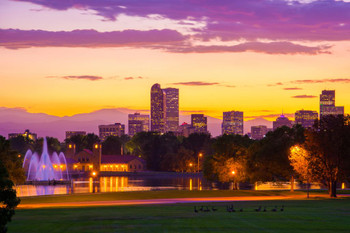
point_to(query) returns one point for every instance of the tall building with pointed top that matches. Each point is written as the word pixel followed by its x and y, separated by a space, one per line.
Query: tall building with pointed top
pixel 157 109
pixel 327 104
pixel 282 121
pixel 232 123
pixel 171 109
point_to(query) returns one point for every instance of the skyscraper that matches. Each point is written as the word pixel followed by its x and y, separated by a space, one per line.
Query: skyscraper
pixel 327 104
pixel 199 123
pixel 171 109
pixel 157 109
pixel 232 123
pixel 164 109
pixel 258 132
pixel 116 129
pixel 282 121
pixel 306 118
pixel 138 123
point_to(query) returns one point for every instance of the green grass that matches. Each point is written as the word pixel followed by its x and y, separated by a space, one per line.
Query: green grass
pixel 153 195
pixel 328 215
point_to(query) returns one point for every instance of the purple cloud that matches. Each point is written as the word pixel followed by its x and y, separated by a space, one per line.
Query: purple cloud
pixel 168 40
pixel 195 83
pixel 15 39
pixel 81 77
pixel 232 20
pixel 133 78
pixel 311 81
pixel 304 96
pixel 292 88
pixel 259 47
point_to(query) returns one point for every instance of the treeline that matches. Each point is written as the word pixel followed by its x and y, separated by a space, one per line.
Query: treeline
pixel 227 158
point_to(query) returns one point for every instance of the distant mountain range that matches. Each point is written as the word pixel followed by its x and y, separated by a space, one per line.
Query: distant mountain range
pixel 16 120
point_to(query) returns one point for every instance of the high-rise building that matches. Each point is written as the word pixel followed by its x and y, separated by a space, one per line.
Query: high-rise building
pixel 258 131
pixel 327 104
pixel 282 121
pixel 164 109
pixel 306 118
pixel 116 129
pixel 157 109
pixel 199 123
pixel 138 123
pixel 171 109
pixel 232 123
pixel 74 133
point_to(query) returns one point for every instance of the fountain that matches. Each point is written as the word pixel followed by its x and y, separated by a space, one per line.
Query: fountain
pixel 45 167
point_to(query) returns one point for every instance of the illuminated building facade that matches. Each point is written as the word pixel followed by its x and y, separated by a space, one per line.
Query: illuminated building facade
pixel 232 123
pixel 89 161
pixel 171 109
pixel 74 133
pixel 199 123
pixel 27 134
pixel 116 129
pixel 306 118
pixel 258 132
pixel 282 121
pixel 138 123
pixel 157 109
pixel 327 104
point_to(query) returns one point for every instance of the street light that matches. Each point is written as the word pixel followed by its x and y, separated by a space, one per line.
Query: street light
pixel 199 155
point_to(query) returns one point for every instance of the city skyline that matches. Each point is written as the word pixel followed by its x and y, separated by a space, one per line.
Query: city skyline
pixel 217 57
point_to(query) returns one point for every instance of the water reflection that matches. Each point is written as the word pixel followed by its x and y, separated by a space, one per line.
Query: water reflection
pixel 116 184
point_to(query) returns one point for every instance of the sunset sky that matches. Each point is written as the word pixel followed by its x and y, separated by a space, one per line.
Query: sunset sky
pixel 64 57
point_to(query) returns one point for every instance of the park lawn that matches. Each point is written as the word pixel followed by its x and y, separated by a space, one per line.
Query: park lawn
pixel 154 195
pixel 327 215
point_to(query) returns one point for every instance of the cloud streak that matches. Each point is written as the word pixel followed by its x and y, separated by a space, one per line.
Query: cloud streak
pixel 78 77
pixel 292 88
pixel 196 83
pixel 304 96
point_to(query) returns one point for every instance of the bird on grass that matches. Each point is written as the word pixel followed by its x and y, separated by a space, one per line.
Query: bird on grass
pixel 274 209
pixel 195 209
pixel 214 209
pixel 241 210
pixel 206 209
pixel 258 209
pixel 264 210
pixel 282 208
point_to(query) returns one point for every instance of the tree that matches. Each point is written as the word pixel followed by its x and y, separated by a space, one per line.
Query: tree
pixel 8 198
pixel 21 144
pixel 111 146
pixel 228 164
pixel 12 161
pixel 268 157
pixel 328 144
pixel 300 161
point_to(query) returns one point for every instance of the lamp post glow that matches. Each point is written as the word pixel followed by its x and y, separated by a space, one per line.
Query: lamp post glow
pixel 199 156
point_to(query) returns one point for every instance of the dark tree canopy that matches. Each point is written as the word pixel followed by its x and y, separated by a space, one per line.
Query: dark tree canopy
pixel 8 198
pixel 328 144
pixel 268 157
pixel 12 161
